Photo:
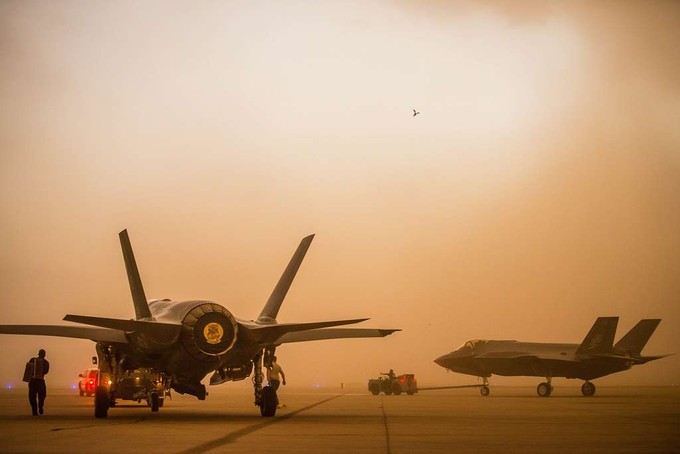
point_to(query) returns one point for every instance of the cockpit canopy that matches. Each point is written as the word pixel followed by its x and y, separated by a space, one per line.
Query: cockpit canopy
pixel 473 344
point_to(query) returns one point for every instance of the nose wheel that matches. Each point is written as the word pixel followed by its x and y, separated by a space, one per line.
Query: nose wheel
pixel 484 390
pixel 545 389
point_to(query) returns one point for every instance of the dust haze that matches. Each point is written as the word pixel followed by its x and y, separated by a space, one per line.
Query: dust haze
pixel 538 189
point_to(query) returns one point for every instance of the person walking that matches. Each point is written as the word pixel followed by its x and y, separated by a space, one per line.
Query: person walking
pixel 37 391
pixel 275 374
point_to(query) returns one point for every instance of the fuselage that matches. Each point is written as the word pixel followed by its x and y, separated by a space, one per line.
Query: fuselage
pixel 483 358
pixel 209 339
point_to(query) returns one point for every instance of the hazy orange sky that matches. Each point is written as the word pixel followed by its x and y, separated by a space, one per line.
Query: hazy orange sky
pixel 538 189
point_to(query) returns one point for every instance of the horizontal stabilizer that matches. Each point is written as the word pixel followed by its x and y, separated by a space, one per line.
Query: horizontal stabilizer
pixel 78 332
pixel 333 333
pixel 600 338
pixel 636 339
pixel 646 359
pixel 154 329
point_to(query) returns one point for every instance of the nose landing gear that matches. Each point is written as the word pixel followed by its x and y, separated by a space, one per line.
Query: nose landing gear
pixel 545 389
pixel 484 389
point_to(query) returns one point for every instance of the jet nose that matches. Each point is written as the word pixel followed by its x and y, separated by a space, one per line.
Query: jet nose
pixel 445 360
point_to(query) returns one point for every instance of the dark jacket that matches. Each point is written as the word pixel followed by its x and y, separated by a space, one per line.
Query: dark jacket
pixel 41 367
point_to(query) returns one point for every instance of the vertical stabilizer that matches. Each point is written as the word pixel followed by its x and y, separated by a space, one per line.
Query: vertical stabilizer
pixel 636 339
pixel 600 338
pixel 138 298
pixel 271 309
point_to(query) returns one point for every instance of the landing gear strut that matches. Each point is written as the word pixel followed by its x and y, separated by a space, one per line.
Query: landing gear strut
pixel 588 389
pixel 545 389
pixel 484 389
pixel 265 397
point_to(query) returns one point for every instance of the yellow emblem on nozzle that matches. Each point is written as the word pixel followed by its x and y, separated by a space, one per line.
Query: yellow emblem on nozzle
pixel 213 333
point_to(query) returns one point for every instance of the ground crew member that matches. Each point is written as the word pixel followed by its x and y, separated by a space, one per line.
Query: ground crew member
pixel 275 374
pixel 36 385
pixel 390 374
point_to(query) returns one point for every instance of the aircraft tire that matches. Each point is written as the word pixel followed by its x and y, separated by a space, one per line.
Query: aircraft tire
pixel 80 391
pixel 544 389
pixel 101 402
pixel 410 393
pixel 374 389
pixel 484 391
pixel 388 392
pixel 154 402
pixel 269 402
pixel 588 389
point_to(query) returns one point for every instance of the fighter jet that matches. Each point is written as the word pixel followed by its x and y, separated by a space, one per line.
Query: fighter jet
pixel 178 343
pixel 595 357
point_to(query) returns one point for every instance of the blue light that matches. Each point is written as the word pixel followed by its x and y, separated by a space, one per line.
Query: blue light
pixel 9 386
pixel 73 387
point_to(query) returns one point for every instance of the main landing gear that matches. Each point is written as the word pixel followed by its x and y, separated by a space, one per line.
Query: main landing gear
pixel 588 389
pixel 265 397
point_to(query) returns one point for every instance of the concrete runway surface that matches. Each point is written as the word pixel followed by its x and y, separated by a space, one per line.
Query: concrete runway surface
pixel 351 420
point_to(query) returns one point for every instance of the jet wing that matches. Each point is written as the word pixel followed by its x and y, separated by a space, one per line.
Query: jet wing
pixel 268 334
pixel 96 334
pixel 170 330
pixel 522 356
pixel 337 333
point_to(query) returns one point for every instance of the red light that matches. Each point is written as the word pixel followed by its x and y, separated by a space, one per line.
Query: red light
pixel 92 382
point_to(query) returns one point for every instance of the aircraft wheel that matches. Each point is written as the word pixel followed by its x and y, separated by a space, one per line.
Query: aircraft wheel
pixel 101 402
pixel 374 389
pixel 154 402
pixel 80 391
pixel 544 389
pixel 410 393
pixel 269 402
pixel 161 400
pixel 396 389
pixel 388 392
pixel 484 390
pixel 588 389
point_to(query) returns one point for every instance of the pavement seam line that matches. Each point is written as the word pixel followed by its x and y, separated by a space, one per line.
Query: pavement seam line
pixel 387 428
pixel 235 435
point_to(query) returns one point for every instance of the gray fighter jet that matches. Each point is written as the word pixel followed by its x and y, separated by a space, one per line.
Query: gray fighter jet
pixel 178 343
pixel 595 357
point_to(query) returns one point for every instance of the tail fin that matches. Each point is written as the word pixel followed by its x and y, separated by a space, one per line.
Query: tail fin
pixel 636 339
pixel 271 308
pixel 142 311
pixel 600 338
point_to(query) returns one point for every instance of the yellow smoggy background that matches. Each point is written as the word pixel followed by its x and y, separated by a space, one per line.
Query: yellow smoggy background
pixel 538 189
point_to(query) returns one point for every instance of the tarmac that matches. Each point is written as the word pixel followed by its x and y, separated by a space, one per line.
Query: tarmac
pixel 512 419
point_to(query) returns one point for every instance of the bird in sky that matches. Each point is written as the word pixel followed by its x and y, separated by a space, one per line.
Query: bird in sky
pixel 415 112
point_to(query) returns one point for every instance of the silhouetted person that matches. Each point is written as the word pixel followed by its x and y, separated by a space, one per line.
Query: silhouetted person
pixel 390 374
pixel 36 385
pixel 275 374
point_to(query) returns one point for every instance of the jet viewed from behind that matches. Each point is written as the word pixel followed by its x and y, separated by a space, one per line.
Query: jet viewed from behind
pixel 179 342
pixel 595 357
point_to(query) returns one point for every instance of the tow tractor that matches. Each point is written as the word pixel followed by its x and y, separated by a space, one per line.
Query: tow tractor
pixel 390 383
